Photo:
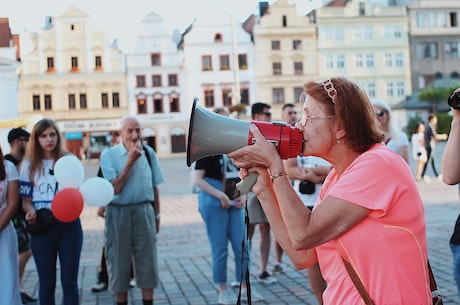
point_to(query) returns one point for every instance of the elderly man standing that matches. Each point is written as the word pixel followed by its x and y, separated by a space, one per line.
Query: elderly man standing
pixel 132 219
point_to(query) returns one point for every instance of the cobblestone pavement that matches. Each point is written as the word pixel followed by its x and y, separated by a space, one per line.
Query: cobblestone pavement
pixel 184 253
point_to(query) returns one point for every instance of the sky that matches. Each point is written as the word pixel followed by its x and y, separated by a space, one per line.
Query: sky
pixel 122 19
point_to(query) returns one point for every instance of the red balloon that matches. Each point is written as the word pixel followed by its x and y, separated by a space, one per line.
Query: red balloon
pixel 67 204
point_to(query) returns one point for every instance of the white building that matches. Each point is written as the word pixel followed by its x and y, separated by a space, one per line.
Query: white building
pixel 156 85
pixel 219 61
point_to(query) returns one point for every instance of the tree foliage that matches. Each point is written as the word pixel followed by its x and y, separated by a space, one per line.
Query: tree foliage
pixel 434 96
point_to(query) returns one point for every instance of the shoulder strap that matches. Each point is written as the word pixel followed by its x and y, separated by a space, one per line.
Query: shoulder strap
pixel 359 285
pixel 147 154
pixel 435 292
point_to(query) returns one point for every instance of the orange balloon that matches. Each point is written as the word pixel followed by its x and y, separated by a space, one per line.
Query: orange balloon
pixel 67 204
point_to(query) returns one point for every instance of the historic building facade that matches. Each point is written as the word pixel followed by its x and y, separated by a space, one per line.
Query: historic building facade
pixel 76 78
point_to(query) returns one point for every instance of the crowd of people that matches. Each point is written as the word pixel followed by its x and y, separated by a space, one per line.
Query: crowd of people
pixel 316 206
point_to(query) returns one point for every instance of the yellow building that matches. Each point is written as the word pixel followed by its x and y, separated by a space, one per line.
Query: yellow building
pixel 285 55
pixel 75 77
pixel 368 43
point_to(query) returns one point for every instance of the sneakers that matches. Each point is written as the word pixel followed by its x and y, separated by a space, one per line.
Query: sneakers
pixel 235 284
pixel 25 298
pixel 132 283
pixel 266 278
pixel 277 269
pixel 255 297
pixel 228 297
pixel 101 286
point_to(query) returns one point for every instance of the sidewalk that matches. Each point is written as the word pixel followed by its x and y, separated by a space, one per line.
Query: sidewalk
pixel 184 253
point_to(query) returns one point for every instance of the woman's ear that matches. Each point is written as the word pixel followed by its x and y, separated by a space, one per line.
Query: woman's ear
pixel 340 133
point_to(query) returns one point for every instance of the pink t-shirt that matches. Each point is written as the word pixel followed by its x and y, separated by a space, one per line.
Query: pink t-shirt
pixel 388 249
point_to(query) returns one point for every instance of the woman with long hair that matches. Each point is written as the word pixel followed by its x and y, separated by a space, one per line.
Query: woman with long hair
pixel 38 187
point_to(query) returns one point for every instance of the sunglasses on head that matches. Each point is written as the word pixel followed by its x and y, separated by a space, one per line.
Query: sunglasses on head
pixel 380 113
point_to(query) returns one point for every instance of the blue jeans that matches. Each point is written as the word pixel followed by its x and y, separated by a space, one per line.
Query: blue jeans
pixel 456 265
pixel 223 226
pixel 64 240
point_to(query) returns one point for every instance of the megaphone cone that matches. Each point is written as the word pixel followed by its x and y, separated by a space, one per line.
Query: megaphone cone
pixel 211 134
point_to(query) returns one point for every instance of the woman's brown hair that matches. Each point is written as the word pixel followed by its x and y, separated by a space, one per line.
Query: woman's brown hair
pixel 35 151
pixel 352 109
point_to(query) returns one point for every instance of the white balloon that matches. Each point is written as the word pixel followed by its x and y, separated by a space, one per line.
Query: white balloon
pixel 97 191
pixel 69 172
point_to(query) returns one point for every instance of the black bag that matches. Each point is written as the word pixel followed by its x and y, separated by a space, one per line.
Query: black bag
pixel 44 221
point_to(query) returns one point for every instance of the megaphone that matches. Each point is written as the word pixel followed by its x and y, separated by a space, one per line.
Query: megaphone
pixel 211 134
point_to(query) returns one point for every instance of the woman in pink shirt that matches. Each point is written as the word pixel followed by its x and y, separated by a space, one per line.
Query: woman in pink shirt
pixel 369 212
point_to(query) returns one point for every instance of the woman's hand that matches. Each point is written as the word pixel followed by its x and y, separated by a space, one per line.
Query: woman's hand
pixel 262 153
pixel 31 216
pixel 225 202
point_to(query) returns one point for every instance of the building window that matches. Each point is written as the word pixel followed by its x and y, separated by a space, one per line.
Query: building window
pixel 388 60
pixel 362 9
pixel 242 61
pixel 340 61
pixel 451 49
pixel 206 63
pixel 359 61
pixel 278 95
pixel 297 44
pixel 155 59
pixel 297 93
pixel 48 103
pixel 115 100
pixel 390 89
pixel 209 98
pixel 172 80
pixel 74 63
pixel 244 96
pixel 453 19
pixel 276 68
pixel 158 104
pixel 141 106
pixel 399 60
pixel 140 81
pixel 50 64
pixel 36 102
pixel 224 62
pixel 371 89
pixel 174 104
pixel 98 63
pixel 83 102
pixel 104 100
pixel 72 102
pixel 427 50
pixel 284 21
pixel 227 97
pixel 156 80
pixel 400 89
pixel 370 60
pixel 276 45
pixel 218 37
pixel 298 68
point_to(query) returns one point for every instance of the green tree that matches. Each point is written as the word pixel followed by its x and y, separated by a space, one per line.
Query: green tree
pixel 434 96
